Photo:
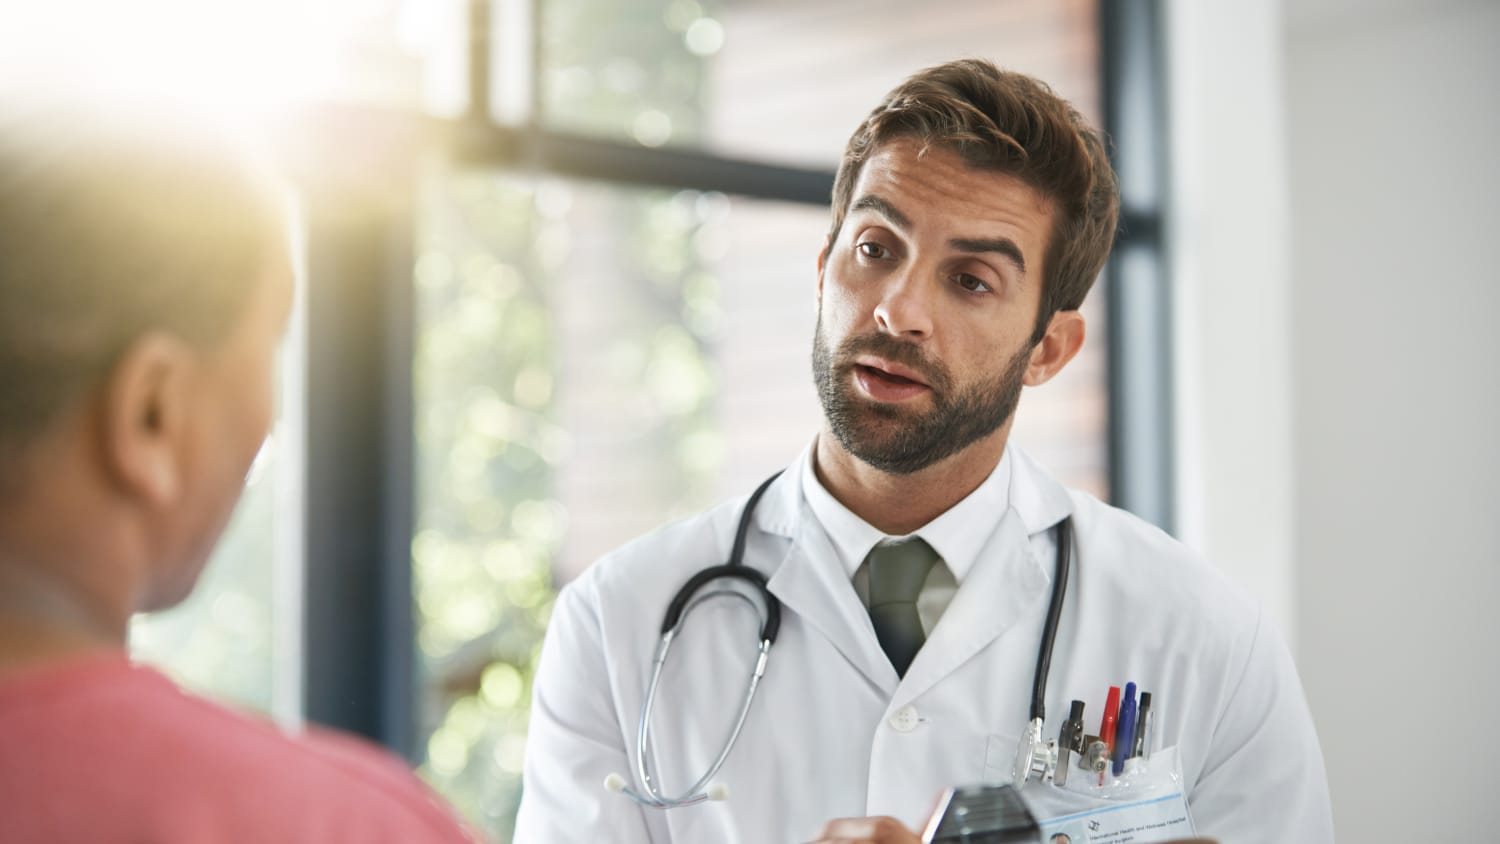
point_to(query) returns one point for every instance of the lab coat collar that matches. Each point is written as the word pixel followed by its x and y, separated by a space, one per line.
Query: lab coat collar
pixel 956 535
pixel 1036 496
pixel 780 509
pixel 998 592
pixel 1039 500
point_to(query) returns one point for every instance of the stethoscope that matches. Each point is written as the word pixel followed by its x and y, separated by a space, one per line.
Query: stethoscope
pixel 1035 755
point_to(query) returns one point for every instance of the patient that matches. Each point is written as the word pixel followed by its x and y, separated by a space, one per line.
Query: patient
pixel 144 284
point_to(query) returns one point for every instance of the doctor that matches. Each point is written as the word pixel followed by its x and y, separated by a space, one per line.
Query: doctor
pixel 972 211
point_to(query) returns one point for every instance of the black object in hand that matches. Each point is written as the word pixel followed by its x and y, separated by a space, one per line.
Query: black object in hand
pixel 981 814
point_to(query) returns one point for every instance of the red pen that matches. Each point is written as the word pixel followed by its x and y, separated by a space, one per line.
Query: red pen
pixel 1111 713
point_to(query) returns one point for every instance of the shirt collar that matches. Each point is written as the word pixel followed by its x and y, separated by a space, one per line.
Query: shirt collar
pixel 957 535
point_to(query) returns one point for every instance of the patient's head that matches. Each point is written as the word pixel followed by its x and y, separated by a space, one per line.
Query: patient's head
pixel 145 283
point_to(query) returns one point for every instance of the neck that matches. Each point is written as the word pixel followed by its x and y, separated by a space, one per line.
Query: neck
pixel 41 622
pixel 57 598
pixel 72 553
pixel 902 504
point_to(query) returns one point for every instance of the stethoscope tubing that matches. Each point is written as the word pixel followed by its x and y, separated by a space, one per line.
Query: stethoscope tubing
pixel 694 793
pixel 1054 615
pixel 681 606
pixel 687 599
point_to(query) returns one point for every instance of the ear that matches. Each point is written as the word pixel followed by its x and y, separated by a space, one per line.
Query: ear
pixel 146 408
pixel 1064 337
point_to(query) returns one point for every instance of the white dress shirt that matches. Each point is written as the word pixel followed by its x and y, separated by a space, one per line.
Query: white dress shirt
pixel 957 535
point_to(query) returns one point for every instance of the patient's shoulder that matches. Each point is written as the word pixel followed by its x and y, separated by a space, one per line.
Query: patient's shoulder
pixel 108 750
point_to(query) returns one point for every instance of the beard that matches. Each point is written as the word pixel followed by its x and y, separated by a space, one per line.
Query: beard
pixel 899 440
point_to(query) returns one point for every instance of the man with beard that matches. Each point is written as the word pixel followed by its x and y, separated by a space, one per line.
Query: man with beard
pixel 911 549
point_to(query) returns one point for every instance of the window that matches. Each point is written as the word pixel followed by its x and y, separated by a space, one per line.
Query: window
pixel 780 80
pixel 570 356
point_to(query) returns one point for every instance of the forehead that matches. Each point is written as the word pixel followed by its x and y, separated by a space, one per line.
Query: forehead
pixel 933 187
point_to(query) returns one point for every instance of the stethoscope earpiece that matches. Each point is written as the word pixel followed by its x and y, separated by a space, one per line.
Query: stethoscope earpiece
pixel 716 792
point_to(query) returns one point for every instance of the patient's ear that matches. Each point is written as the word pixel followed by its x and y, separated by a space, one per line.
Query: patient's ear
pixel 144 411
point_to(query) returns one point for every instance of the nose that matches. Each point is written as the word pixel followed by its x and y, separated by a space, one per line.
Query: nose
pixel 905 306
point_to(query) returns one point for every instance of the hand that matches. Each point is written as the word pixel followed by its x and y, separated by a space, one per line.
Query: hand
pixel 882 830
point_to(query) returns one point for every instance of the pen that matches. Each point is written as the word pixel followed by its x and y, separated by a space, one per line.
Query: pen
pixel 1070 740
pixel 1107 726
pixel 1111 715
pixel 1125 735
pixel 1143 728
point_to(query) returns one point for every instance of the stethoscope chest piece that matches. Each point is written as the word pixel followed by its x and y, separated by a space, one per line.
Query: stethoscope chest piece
pixel 1036 756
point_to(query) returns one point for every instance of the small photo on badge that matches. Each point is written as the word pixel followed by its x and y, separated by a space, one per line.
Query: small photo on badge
pixel 1073 832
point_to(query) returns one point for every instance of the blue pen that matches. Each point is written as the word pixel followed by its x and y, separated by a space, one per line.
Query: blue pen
pixel 1125 733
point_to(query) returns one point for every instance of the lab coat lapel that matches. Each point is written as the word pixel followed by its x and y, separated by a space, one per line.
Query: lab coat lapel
pixel 810 583
pixel 1004 585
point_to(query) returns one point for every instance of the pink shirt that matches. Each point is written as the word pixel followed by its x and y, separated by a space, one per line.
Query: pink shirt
pixel 97 749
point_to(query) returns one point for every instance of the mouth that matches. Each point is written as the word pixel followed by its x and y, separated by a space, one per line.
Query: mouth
pixel 887 370
pixel 886 381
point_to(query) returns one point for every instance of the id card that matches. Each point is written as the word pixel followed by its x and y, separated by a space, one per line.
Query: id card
pixel 1146 804
pixel 1152 819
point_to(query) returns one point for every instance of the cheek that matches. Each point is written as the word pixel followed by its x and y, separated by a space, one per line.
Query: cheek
pixel 261 406
pixel 841 308
pixel 982 355
pixel 248 404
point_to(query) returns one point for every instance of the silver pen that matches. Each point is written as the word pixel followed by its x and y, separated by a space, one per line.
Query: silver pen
pixel 1070 740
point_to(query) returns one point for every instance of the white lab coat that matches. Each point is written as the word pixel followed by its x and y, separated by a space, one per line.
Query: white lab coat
pixel 834 732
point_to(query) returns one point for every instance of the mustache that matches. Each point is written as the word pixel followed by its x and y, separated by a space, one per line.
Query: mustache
pixel 907 354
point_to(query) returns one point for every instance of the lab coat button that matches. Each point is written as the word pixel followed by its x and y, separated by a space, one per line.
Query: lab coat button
pixel 904 720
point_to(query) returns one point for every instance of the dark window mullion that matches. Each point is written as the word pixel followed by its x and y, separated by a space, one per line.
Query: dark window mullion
pixel 1138 294
pixel 358 626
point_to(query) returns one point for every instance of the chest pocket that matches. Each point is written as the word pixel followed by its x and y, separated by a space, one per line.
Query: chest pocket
pixel 1153 790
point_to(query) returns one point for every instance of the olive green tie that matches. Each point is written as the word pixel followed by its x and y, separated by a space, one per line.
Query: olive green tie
pixel 897 572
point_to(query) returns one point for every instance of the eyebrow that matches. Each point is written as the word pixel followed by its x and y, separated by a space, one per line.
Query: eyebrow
pixel 1002 246
pixel 883 208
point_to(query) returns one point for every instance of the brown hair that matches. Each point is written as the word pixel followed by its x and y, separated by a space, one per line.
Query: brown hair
pixel 1010 123
pixel 115 223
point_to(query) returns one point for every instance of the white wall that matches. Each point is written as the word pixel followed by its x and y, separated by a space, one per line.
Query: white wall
pixel 1230 243
pixel 1337 192
pixel 1394 129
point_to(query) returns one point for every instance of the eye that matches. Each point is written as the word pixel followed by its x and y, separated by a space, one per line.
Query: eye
pixel 971 283
pixel 871 249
